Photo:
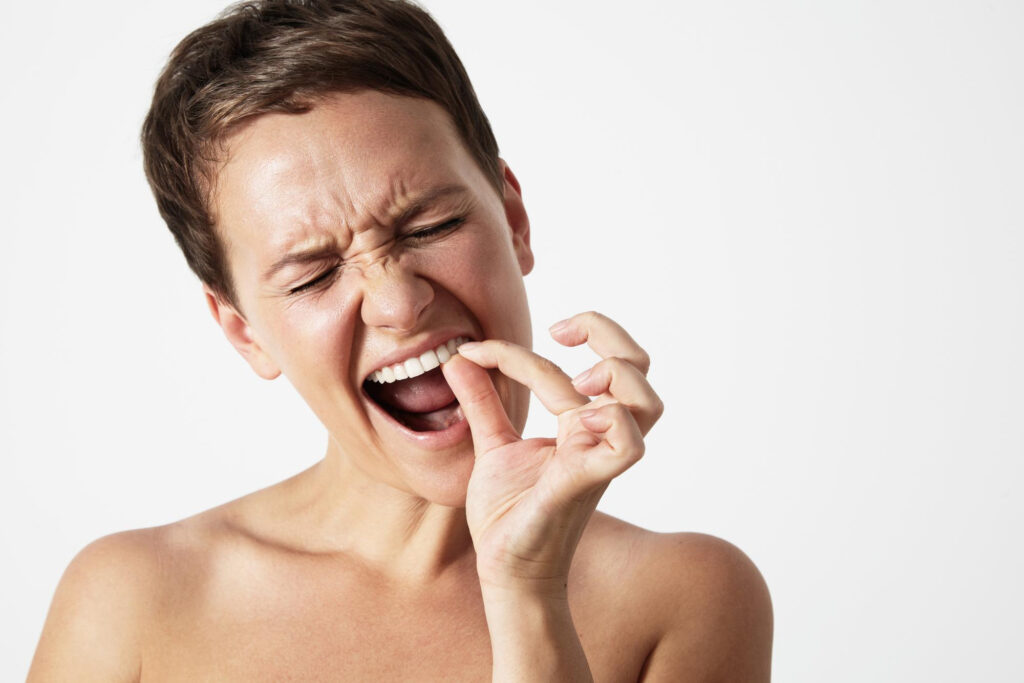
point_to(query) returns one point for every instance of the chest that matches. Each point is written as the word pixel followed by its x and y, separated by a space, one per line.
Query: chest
pixel 309 629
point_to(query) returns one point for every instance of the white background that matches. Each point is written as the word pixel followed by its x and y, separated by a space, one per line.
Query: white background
pixel 809 213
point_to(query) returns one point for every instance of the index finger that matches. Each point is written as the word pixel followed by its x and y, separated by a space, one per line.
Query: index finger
pixel 545 379
pixel 605 336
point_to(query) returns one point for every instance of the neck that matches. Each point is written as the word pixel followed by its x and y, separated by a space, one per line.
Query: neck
pixel 335 507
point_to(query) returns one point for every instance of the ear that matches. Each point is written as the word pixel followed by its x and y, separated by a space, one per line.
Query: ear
pixel 238 332
pixel 515 212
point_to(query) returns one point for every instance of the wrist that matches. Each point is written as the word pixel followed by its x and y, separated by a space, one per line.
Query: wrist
pixel 518 591
pixel 533 637
pixel 517 585
pixel 520 579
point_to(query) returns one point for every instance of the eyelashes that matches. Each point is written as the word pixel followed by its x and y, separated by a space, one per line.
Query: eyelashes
pixel 436 230
pixel 316 281
pixel 328 275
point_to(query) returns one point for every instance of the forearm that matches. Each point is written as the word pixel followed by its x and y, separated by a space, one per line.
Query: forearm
pixel 533 639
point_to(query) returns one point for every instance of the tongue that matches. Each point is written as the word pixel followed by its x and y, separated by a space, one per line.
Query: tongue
pixel 423 394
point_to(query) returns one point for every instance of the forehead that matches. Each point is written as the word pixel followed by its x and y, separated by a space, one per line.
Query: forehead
pixel 353 161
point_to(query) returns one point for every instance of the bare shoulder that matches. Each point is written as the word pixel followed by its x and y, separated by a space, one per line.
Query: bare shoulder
pixel 109 595
pixel 703 600
pixel 92 630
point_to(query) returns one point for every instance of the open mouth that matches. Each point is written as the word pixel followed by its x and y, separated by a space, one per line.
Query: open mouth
pixel 415 396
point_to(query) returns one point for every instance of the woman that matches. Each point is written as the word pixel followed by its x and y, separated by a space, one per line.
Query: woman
pixel 331 178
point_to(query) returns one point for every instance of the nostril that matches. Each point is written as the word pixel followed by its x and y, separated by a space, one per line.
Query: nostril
pixel 394 297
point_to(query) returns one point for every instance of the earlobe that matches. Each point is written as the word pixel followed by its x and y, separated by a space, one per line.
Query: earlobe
pixel 515 213
pixel 240 335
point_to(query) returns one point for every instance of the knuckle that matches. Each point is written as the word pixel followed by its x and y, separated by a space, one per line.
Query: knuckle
pixel 659 408
pixel 617 364
pixel 620 410
pixel 636 364
pixel 638 451
pixel 548 366
pixel 477 396
pixel 643 361
pixel 611 363
pixel 633 451
pixel 500 345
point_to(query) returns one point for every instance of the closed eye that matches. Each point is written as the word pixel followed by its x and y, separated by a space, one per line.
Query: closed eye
pixel 436 230
pixel 423 234
pixel 315 281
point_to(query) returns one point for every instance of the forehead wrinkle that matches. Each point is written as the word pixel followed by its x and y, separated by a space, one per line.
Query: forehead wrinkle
pixel 375 211
pixel 401 198
pixel 319 217
pixel 363 202
pixel 406 197
pixel 325 189
pixel 332 212
pixel 398 206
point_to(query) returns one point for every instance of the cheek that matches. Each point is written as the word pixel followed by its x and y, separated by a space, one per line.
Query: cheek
pixel 316 333
pixel 481 270
pixel 495 292
pixel 485 258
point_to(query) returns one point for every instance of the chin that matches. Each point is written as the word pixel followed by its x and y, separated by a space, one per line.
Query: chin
pixel 446 487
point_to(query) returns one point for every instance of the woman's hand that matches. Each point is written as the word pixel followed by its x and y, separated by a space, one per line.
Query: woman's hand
pixel 529 500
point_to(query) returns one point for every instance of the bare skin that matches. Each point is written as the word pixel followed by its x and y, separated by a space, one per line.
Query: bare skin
pixel 464 553
pixel 222 597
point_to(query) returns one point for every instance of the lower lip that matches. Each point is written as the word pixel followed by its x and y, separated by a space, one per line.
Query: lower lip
pixel 445 438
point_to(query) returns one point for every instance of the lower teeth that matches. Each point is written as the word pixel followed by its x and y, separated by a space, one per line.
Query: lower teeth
pixel 434 421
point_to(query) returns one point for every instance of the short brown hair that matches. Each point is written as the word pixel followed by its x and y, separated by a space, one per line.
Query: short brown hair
pixel 279 55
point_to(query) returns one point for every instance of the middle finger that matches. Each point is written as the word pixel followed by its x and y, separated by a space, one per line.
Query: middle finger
pixel 605 336
pixel 623 382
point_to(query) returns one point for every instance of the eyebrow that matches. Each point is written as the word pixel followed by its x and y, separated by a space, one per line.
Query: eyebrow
pixel 306 255
pixel 424 200
pixel 321 251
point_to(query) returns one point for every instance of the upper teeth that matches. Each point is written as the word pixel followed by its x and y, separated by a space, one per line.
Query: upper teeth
pixel 417 365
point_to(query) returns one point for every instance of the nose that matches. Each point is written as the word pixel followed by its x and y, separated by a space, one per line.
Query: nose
pixel 394 296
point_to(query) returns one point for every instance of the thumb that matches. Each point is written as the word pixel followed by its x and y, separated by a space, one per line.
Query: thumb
pixel 480 404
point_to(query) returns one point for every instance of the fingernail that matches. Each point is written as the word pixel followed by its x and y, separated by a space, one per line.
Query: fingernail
pixel 559 326
pixel 586 414
pixel 468 346
pixel 582 377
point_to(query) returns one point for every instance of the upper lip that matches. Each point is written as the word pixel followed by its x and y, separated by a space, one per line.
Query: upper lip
pixel 428 343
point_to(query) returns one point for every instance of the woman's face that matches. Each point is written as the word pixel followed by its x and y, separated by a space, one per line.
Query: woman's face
pixel 350 185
